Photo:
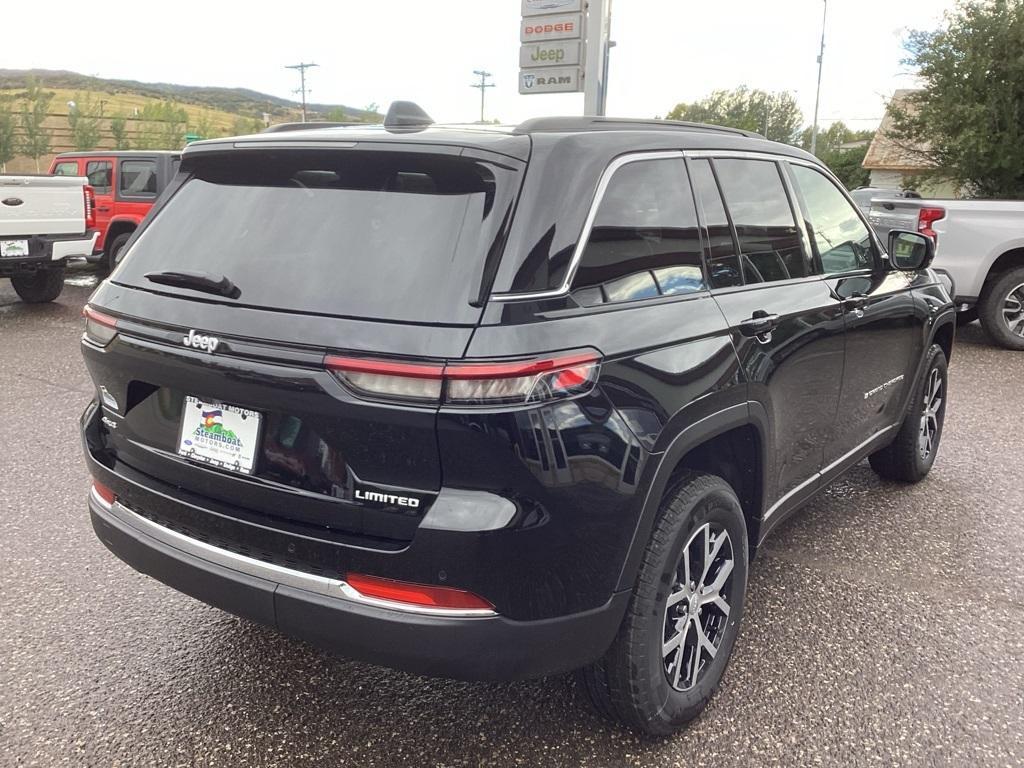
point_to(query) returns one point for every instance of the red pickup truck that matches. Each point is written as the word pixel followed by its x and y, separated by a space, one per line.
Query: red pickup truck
pixel 126 183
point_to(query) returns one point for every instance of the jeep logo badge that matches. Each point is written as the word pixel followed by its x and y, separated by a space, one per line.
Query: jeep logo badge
pixel 199 341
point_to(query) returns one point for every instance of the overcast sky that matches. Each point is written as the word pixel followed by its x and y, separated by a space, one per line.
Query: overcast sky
pixel 378 50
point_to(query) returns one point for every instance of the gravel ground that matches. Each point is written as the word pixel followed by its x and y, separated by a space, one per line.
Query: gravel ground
pixel 885 624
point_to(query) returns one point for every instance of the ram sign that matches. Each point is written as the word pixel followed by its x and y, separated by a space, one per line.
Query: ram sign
pixel 550 80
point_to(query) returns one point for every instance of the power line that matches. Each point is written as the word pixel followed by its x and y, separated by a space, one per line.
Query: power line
pixel 483 85
pixel 302 79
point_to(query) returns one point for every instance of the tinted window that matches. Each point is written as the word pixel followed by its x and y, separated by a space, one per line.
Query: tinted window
pixel 384 235
pixel 769 240
pixel 644 242
pixel 723 264
pixel 138 178
pixel 838 235
pixel 99 173
pixel 66 168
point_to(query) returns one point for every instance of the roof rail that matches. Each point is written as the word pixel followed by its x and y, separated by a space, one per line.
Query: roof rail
pixel 587 123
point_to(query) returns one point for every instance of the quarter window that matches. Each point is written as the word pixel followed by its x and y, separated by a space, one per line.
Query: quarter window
pixel 138 178
pixel 769 239
pixel 644 242
pixel 99 173
pixel 838 234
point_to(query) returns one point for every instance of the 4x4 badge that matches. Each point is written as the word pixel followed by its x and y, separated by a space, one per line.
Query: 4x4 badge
pixel 200 341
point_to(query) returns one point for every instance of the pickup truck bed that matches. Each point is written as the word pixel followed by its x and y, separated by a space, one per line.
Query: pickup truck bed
pixel 44 220
pixel 980 245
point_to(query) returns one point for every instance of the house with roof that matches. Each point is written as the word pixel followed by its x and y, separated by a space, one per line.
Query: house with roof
pixel 893 165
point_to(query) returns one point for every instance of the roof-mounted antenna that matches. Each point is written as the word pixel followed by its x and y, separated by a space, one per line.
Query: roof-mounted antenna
pixel 406 114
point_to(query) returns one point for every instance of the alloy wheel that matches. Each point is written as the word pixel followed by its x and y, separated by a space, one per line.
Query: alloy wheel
pixel 930 416
pixel 697 609
pixel 1013 310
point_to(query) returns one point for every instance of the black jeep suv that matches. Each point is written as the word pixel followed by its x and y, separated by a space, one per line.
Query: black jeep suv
pixel 496 403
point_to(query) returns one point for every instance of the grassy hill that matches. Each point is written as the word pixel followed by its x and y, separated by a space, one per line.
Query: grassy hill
pixel 208 111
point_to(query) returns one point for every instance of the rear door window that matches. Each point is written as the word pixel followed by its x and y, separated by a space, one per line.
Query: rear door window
pixel 100 173
pixel 382 235
pixel 723 262
pixel 645 241
pixel 770 244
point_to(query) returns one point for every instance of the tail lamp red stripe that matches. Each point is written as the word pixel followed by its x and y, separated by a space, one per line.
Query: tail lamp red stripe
pixel 383 367
pixel 416 594
pixel 515 369
pixel 98 317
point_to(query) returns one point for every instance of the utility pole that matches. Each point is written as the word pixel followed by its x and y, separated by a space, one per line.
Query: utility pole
pixel 302 79
pixel 817 94
pixel 483 85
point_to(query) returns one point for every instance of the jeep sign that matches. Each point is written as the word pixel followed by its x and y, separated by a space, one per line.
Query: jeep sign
pixel 554 54
pixel 540 7
pixel 562 26
pixel 550 80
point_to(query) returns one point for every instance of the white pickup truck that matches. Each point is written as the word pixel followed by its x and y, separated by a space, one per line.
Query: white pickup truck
pixel 44 220
pixel 980 245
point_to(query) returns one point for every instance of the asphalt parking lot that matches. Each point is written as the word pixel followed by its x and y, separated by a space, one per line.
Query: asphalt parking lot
pixel 885 624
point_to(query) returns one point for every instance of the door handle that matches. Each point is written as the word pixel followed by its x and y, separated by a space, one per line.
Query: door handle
pixel 103 208
pixel 760 326
pixel 855 304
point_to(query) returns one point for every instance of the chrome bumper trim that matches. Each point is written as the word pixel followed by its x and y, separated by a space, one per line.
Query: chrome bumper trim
pixel 321 585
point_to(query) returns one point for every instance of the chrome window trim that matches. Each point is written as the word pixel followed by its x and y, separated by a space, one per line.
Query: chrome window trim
pixel 588 224
pixel 321 585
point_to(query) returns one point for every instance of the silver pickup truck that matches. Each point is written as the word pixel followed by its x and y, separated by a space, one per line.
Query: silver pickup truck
pixel 980 246
pixel 44 221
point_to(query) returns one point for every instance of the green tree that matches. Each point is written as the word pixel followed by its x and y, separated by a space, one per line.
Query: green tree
pixel 84 119
pixel 8 142
pixel 845 163
pixel 119 131
pixel 162 126
pixel 967 121
pixel 774 115
pixel 338 115
pixel 203 127
pixel 35 138
pixel 243 126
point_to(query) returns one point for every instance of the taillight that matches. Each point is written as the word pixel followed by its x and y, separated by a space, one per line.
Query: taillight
pixel 926 217
pixel 90 206
pixel 100 329
pixel 534 381
pixel 416 594
pixel 388 379
pixel 103 492
pixel 518 382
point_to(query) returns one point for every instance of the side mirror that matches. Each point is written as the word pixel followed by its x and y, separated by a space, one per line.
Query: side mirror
pixel 910 251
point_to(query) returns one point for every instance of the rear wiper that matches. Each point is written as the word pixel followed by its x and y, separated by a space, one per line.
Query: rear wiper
pixel 197 281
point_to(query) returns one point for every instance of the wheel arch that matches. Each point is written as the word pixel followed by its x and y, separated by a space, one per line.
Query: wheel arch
pixel 731 443
pixel 118 227
pixel 1004 262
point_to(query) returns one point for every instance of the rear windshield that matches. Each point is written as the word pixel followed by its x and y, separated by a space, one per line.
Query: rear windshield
pixel 384 235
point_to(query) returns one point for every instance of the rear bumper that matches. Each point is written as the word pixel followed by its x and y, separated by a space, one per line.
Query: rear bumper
pixel 318 610
pixel 48 251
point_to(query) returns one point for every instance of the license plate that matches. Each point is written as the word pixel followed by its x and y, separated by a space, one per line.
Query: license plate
pixel 220 435
pixel 13 249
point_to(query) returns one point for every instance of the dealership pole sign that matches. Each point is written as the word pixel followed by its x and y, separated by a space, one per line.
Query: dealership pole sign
pixel 563 48
pixel 550 54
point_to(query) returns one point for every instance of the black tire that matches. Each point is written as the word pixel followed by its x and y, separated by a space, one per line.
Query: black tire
pixel 112 251
pixel 905 458
pixel 40 286
pixel 1002 306
pixel 966 317
pixel 632 681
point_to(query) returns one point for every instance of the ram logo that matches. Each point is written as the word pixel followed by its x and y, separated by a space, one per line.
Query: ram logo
pixel 387 498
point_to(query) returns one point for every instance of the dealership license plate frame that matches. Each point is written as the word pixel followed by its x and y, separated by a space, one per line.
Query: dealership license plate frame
pixel 6 246
pixel 248 422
